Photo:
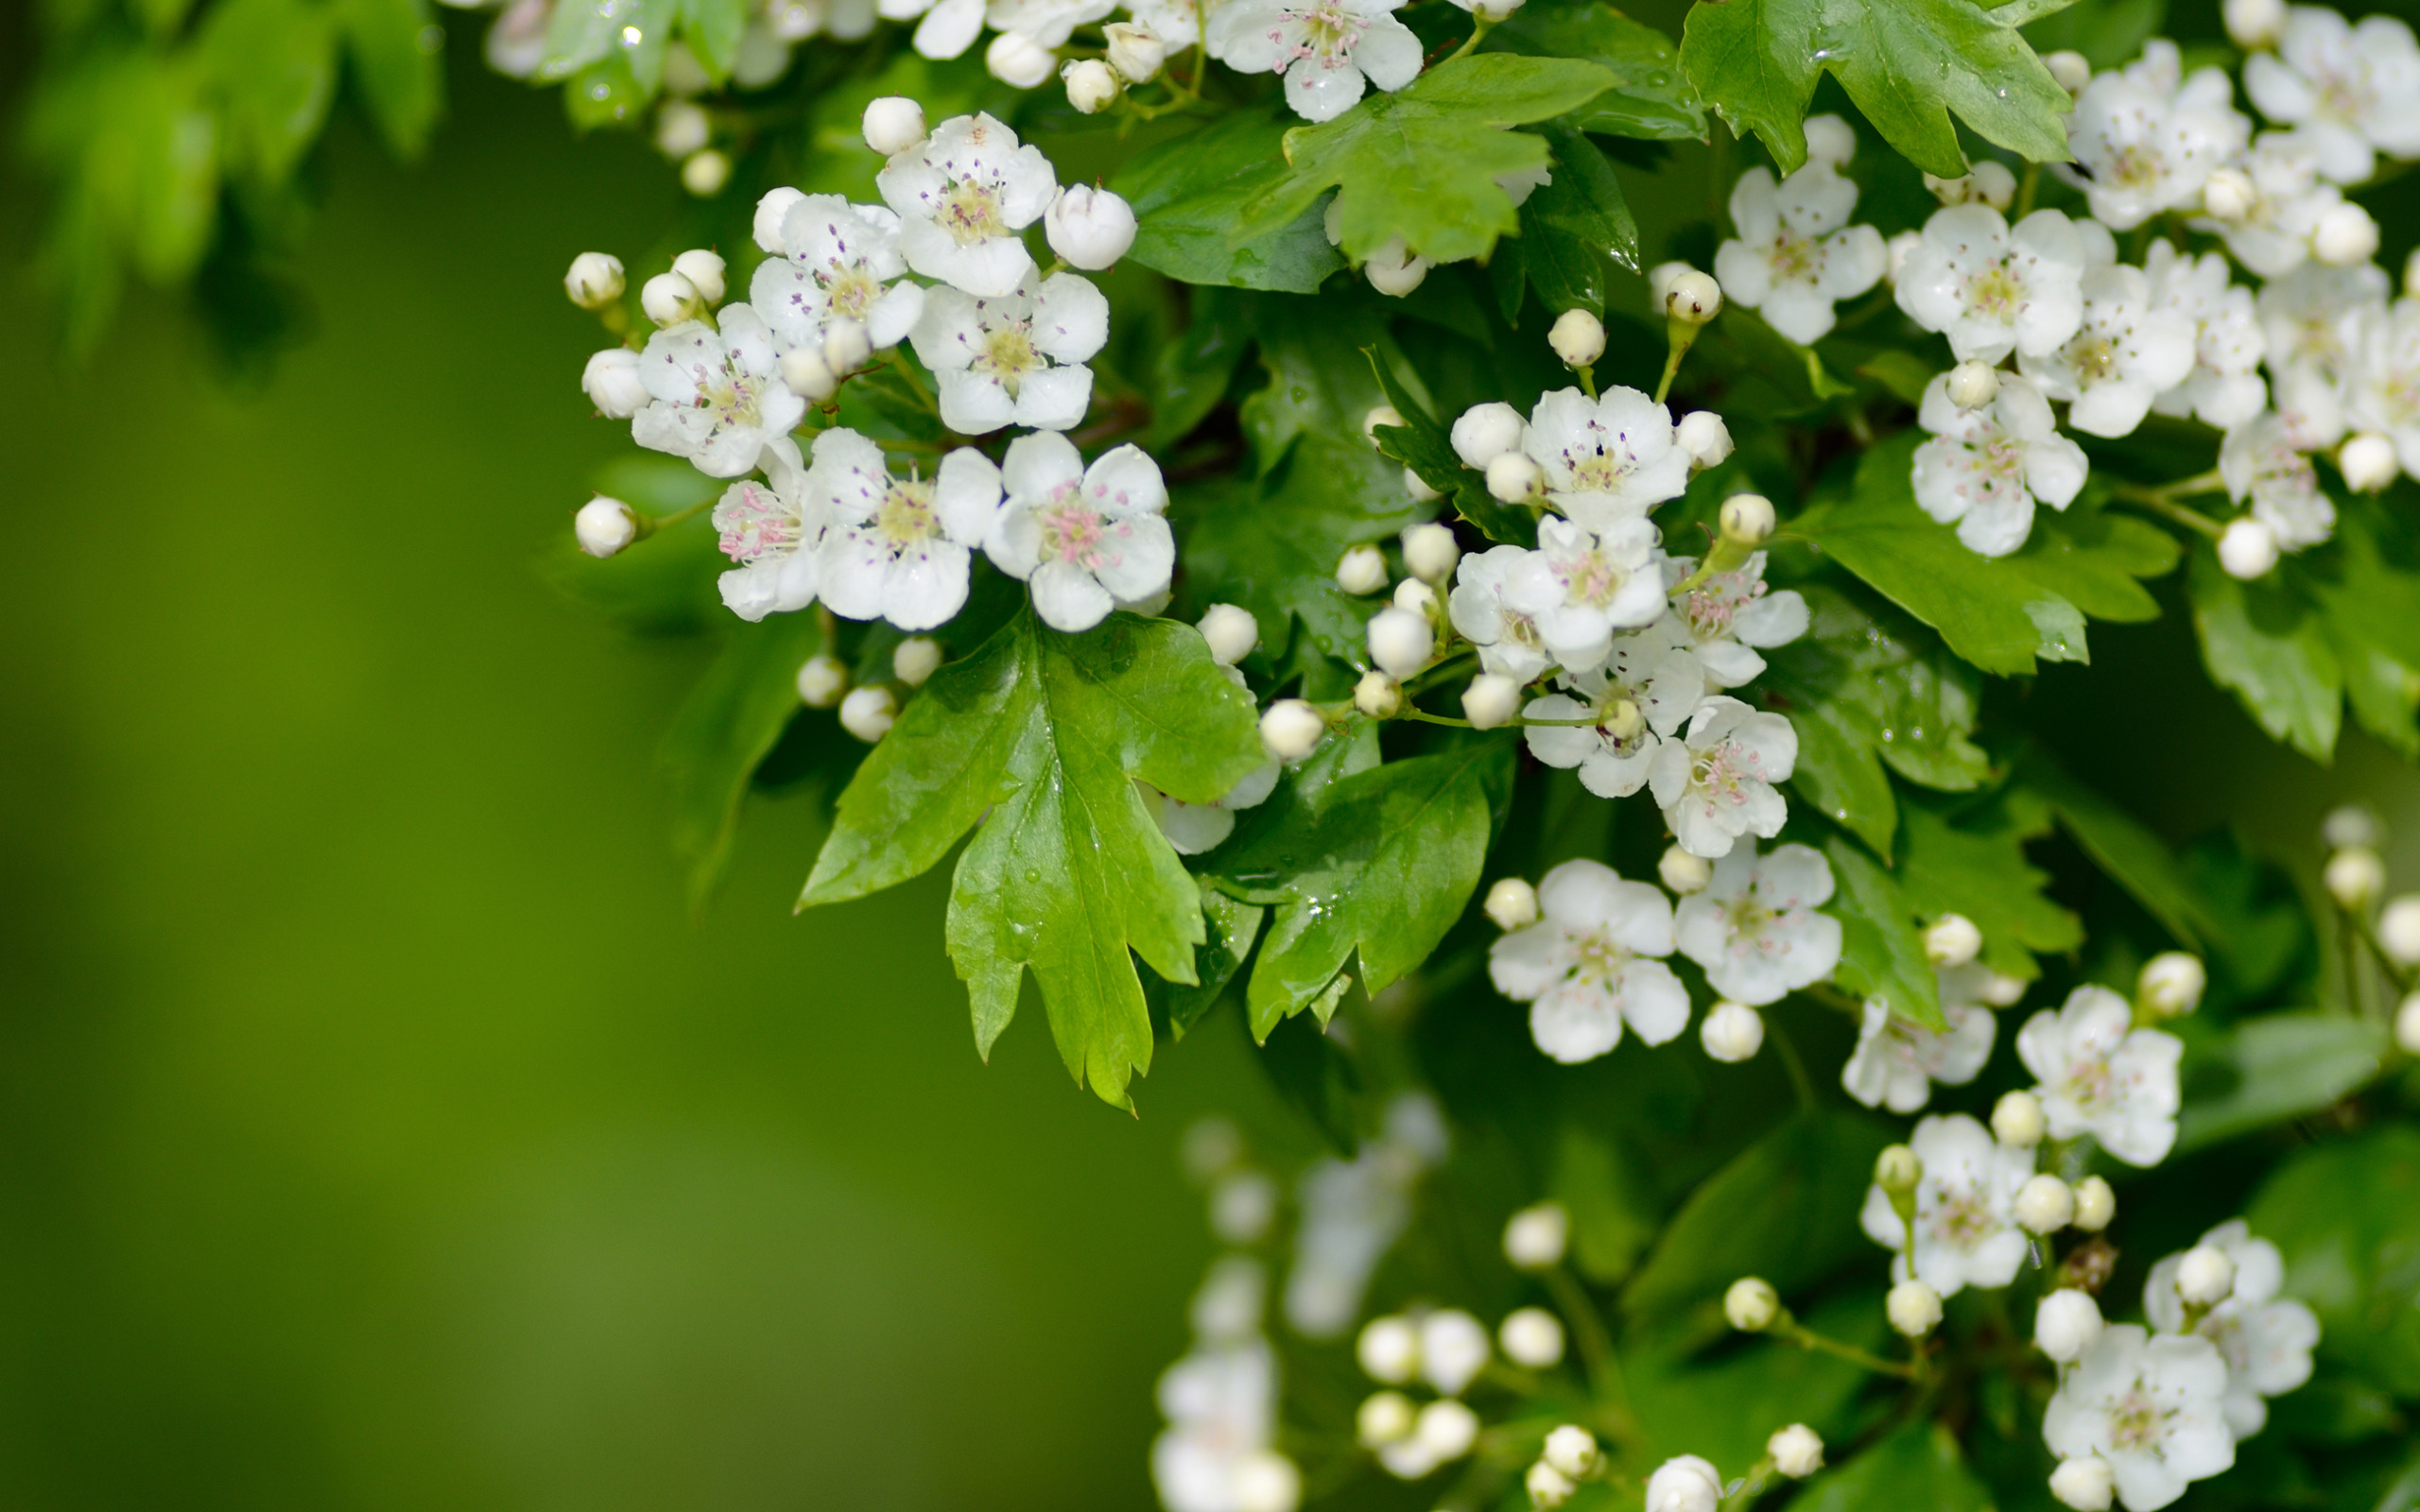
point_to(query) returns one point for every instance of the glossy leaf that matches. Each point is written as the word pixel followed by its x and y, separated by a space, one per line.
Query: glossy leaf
pixel 1184 192
pixel 2266 1070
pixel 2268 645
pixel 1881 954
pixel 1974 864
pixel 273 69
pixel 726 727
pixel 401 79
pixel 1577 225
pixel 1232 929
pixel 1651 97
pixel 2346 1216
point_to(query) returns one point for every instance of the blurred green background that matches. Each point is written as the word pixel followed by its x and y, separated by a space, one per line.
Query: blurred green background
pixel 379 1130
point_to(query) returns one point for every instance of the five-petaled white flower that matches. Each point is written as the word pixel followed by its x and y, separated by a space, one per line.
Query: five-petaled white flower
pixel 946 29
pixel 1194 828
pixel 719 398
pixel 1221 1406
pixel 1897 1059
pixel 838 262
pixel 1326 48
pixel 1966 1229
pixel 1725 620
pixel 1715 783
pixel 898 548
pixel 2271 235
pixel 1796 253
pixel 1087 539
pixel 1993 289
pixel 2349 89
pixel 2224 386
pixel 2265 1340
pixel 1176 22
pixel 1045 23
pixel 1755 927
pixel 1507 638
pixel 2101 1076
pixel 2127 349
pixel 2266 471
pixel 2385 391
pixel 1582 585
pixel 771 529
pixel 1609 458
pixel 1585 968
pixel 2151 1408
pixel 1986 468
pixel 2147 140
pixel 963 195
pixel 1017 359
pixel 1659 683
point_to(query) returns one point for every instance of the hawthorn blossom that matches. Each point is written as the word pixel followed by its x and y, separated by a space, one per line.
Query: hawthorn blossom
pixel 2273 234
pixel 2223 387
pixel 944 28
pixel 1045 23
pixel 2147 140
pixel 2313 317
pixel 1716 783
pixel 2384 394
pixel 1966 1229
pixel 1796 253
pixel 838 262
pixel 771 530
pixel 1659 683
pixel 1194 828
pixel 1986 468
pixel 2265 470
pixel 2265 1340
pixel 1898 1060
pixel 1724 621
pixel 2100 1075
pixel 719 398
pixel 1587 965
pixel 1753 927
pixel 1017 359
pixel 1608 458
pixel 1353 1212
pixel 1994 290
pixel 1087 539
pixel 1581 586
pixel 1221 1405
pixel 1327 49
pixel 2127 349
pixel 2350 90
pixel 898 548
pixel 1176 22
pixel 1508 641
pixel 2150 1407
pixel 961 197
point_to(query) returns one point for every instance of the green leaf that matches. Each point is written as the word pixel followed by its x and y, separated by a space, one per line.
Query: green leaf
pixel 1919 1465
pixel 1312 1073
pixel 1190 373
pixel 713 29
pixel 1719 1403
pixel 2264 1071
pixel 1611 1203
pixel 1422 164
pixel 2347 1215
pixel 1650 98
pixel 138 150
pixel 2109 33
pixel 2092 559
pixel 1426 447
pixel 1233 928
pixel 585 32
pixel 605 94
pixel 2366 587
pixel 1976 866
pixel 401 79
pixel 1881 954
pixel 1274 552
pixel 730 721
pixel 1184 192
pixel 2133 857
pixel 1907 64
pixel 1048 733
pixel 272 69
pixel 2268 644
pixel 1576 225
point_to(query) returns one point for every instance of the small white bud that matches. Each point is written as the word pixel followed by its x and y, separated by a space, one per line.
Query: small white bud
pixel 1972 385
pixel 2352 824
pixel 2204 1276
pixel 1394 271
pixel 2254 25
pixel 1993 183
pixel 1513 478
pixel 1415 595
pixel 867 712
pixel 2353 877
pixel 1572 1450
pixel 1453 1349
pixel 1385 1417
pixel 2071 68
pixel 1747 519
pixel 772 211
pixel 1578 338
pixel 1532 1337
pixel 2045 1204
pixel 1242 1206
pixel 1512 904
pixel 2086 1484
pixel 703 174
pixel 2230 195
pixel 2001 991
pixel 1830 141
pixel 915 658
pixel 594 279
pixel 1535 1238
pixel 1696 298
pixel 704 271
pixel 1752 1304
pixel 2247 548
pixel 2406 1026
pixel 2096 1204
pixel 1377 696
pixel 846 346
pixel 1092 85
pixel 1431 552
pixel 612 383
pixel 823 681
pixel 1897 249
pixel 807 375
pixel 1418 488
pixel 1660 279
pixel 1951 191
pixel 1291 730
pixel 1952 942
pixel 2170 983
pixel 1389 1349
pixel 604 527
pixel 2344 236
pixel 893 124
pixel 1687 1484
pixel 1914 1309
pixel 1732 1032
pixel 2368 462
pixel 1230 631
pixel 1486 432
pixel 1897 1169
pixel 1379 415
pixel 2065 1324
pixel 1266 1480
pixel 1447 1429
pixel 1136 51
pixel 1361 570
pixel 1491 701
pixel 1548 1487
pixel 1704 437
pixel 680 128
pixel 1683 873
pixel 1796 1452
pixel 668 299
pixel 1401 640
pixel 2018 1121
pixel 1016 58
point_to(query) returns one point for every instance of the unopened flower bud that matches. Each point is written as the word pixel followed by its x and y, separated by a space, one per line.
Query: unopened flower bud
pixel 2353 877
pixel 1955 191
pixel 2368 462
pixel 1572 1450
pixel 1512 904
pixel 2352 824
pixel 1548 1487
pixel 893 124
pixel 2230 195
pixel 604 527
pixel 612 383
pixel 772 211
pixel 1016 58
pixel 2247 548
pixel 2065 1324
pixel 1385 1417
pixel 915 658
pixel 2071 68
pixel 846 346
pixel 1660 279
pixel 1136 51
pixel 2017 1121
pixel 1578 338
pixel 1952 941
pixel 807 375
pixel 1389 1349
pixel 1796 1452
pixel 1704 437
pixel 1092 85
pixel 703 174
pixel 1513 478
pixel 1265 1481
pixel 1532 1337
pixel 1914 1309
pixel 1453 1349
pixel 1418 488
pixel 668 299
pixel 1895 250
pixel 1291 730
pixel 2045 1204
pixel 1230 631
pixel 1361 570
pixel 2002 991
pixel 1696 298
pixel 1401 642
pixel 1732 1032
pixel 2254 25
pixel 1376 416
pixel 2171 983
pixel 1491 701
pixel 1394 271
pixel 2096 1205
pixel 1830 141
pixel 1686 1484
pixel 704 271
pixel 680 128
pixel 1747 519
pixel 1535 1237
pixel 2406 1026
pixel 1683 873
pixel 1993 183
pixel 867 712
pixel 1972 385
pixel 594 279
pixel 1752 1304
pixel 1896 1169
pixel 2204 1276
pixel 1486 432
pixel 1377 696
pixel 2344 236
pixel 2085 1484
pixel 1430 552
pixel 823 681
pixel 1447 1429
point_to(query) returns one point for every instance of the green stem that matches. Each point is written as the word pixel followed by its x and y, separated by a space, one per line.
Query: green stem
pixel 1478 28
pixel 1424 716
pixel 2026 184
pixel 650 523
pixel 1682 337
pixel 2162 502
pixel 1806 1338
pixel 1797 1068
pixel 1589 1335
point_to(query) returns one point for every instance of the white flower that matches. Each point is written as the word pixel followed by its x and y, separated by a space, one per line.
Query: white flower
pixel 1723 620
pixel 1686 1484
pixel 1754 928
pixel 838 262
pixel 1014 359
pixel 1194 828
pixel 2384 394
pixel 1581 586
pixel 1090 228
pixel 2349 90
pixel 1966 1231
pixel 1176 22
pixel 963 195
pixel 2265 1340
pixel 719 396
pixel 1609 458
pixel 2067 1323
pixel 2101 1076
pixel 1326 48
pixel 1585 966
pixel 2149 1408
pixel 1352 1213
pixel 1994 290
pixel 1898 1060
pixel 1221 1406
pixel 1508 640
pixel 2314 319
pixel 1485 432
pixel 613 384
pixel 1716 783
pixel 2261 465
pixel 2223 387
pixel 1045 23
pixel 2125 352
pixel 1661 685
pixel 2270 233
pixel 1797 253
pixel 898 548
pixel 1087 539
pixel 1986 468
pixel 1453 1349
pixel 2148 142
